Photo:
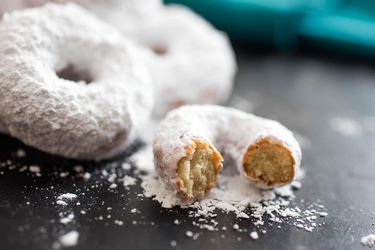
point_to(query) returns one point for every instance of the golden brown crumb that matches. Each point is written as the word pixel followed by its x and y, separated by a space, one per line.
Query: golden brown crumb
pixel 198 170
pixel 268 163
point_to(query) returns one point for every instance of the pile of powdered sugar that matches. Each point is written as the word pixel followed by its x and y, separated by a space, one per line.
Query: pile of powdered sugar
pixel 368 240
pixel 232 195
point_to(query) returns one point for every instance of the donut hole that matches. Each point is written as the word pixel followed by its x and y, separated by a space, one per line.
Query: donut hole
pixel 75 74
pixel 197 172
pixel 159 50
pixel 268 164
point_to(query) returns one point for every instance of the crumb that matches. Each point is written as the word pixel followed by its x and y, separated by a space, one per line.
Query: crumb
pixel 173 243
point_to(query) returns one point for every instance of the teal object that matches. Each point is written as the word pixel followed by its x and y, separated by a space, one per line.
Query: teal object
pixel 345 27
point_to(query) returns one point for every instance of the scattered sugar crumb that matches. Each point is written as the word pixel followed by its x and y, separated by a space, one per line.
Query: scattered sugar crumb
pixel 119 222
pixel 64 174
pixel 296 184
pixel 126 166
pixel 189 234
pixel 243 215
pixel 346 126
pixel 86 176
pixel 134 210
pixel 67 219
pixel 69 239
pixel 368 240
pixel 67 196
pixel 323 214
pixel 254 235
pixel 20 153
pixel 78 168
pixel 34 169
pixel 173 243
pixel 61 202
pixel 129 181
pixel 176 222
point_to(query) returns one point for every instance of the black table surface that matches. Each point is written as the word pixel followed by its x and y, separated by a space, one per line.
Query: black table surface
pixel 302 92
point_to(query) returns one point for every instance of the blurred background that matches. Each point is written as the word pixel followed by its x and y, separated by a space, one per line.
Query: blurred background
pixel 340 28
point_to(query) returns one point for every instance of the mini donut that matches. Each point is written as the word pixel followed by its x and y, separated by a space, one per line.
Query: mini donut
pixel 94 116
pixel 189 140
pixel 190 61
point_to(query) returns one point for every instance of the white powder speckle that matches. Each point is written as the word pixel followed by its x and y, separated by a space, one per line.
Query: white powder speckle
pixel 34 169
pixel 64 174
pixel 243 215
pixel 254 235
pixel 61 203
pixel 176 222
pixel 67 196
pixel 86 176
pixel 20 153
pixel 78 168
pixel 67 219
pixel 119 222
pixel 129 181
pixel 368 240
pixel 69 239
pixel 173 243
pixel 134 210
pixel 125 166
pixel 323 214
pixel 189 234
pixel 346 126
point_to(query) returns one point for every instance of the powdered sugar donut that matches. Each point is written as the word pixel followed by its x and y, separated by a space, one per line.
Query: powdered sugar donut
pixel 190 62
pixel 189 139
pixel 95 116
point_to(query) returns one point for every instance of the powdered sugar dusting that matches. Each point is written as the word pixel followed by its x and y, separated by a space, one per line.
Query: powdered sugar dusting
pixel 235 195
pixel 346 126
pixel 69 239
pixel 368 240
pixel 129 181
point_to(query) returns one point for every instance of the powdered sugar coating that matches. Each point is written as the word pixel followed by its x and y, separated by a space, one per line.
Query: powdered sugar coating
pixel 196 64
pixel 75 120
pixel 230 130
pixel 193 64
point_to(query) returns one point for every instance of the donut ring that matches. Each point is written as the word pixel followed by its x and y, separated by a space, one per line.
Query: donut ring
pixel 92 120
pixel 187 144
pixel 189 61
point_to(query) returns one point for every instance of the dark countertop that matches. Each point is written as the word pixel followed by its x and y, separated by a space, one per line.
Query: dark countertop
pixel 302 92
